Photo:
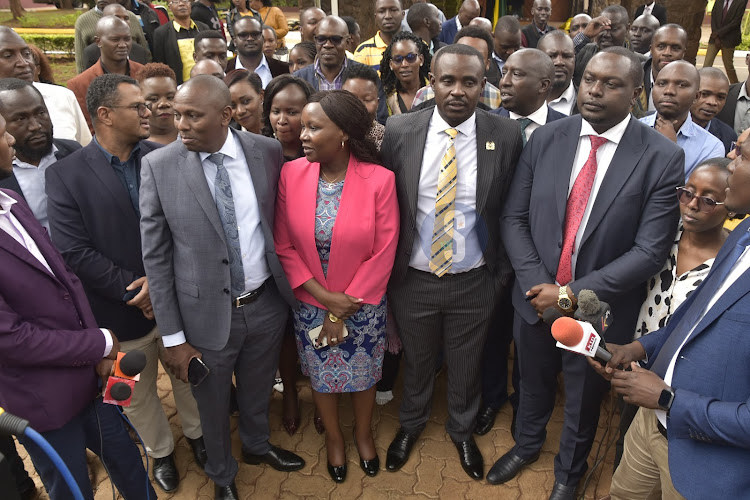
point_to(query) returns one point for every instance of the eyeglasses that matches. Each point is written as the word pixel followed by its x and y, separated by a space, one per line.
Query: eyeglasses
pixel 705 204
pixel 335 39
pixel 255 35
pixel 139 108
pixel 410 58
pixel 737 148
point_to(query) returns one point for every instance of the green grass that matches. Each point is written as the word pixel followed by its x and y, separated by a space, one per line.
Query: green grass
pixel 58 18
pixel 63 69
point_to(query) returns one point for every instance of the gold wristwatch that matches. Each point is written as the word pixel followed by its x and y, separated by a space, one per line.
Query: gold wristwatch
pixel 563 300
pixel 332 318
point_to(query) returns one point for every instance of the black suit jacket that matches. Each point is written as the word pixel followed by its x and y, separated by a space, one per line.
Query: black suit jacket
pixel 659 12
pixel 727 29
pixel 64 148
pixel 498 148
pixel 723 132
pixel 628 234
pixel 277 67
pixel 493 74
pixel 97 230
pixel 92 53
pixel 552 115
pixel 727 113
pixel 166 50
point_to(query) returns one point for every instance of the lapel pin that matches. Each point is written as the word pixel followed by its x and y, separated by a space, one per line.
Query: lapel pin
pixel 489 145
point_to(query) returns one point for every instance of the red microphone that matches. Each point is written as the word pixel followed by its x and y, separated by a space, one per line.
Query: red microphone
pixel 579 337
pixel 125 373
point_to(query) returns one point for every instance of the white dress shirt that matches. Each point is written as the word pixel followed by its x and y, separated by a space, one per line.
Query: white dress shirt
pixel 739 268
pixel 263 71
pixel 67 118
pixel 467 253
pixel 15 229
pixel 604 156
pixel 564 104
pixel 247 211
pixel 31 181
pixel 651 105
pixel 538 118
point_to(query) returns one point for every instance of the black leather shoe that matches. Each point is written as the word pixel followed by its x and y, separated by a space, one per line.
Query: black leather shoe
pixel 338 473
pixel 165 473
pixel 371 467
pixel 226 492
pixel 507 467
pixel 471 458
pixel 279 459
pixel 562 492
pixel 399 450
pixel 199 450
pixel 485 420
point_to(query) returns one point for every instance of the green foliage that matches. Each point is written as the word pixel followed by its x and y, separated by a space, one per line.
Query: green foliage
pixel 43 19
pixel 57 43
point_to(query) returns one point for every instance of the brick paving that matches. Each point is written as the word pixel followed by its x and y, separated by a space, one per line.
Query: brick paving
pixel 433 470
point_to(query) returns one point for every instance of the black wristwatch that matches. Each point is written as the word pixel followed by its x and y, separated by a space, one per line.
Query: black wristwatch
pixel 666 399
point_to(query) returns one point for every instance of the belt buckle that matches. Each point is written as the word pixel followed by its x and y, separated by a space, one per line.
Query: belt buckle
pixel 238 302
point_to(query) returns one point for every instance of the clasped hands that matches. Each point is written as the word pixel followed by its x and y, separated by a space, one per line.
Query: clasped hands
pixel 342 306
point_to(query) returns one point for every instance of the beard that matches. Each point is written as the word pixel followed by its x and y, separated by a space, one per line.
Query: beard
pixel 33 155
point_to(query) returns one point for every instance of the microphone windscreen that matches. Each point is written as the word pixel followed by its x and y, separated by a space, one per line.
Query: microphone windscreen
pixel 133 363
pixel 588 303
pixel 120 391
pixel 567 331
pixel 551 314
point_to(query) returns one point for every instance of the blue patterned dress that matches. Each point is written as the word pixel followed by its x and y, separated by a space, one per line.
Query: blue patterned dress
pixel 357 363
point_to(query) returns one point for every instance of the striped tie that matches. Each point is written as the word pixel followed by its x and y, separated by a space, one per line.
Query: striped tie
pixel 441 258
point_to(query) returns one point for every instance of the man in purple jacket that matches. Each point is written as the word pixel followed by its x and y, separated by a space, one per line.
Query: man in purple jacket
pixel 52 355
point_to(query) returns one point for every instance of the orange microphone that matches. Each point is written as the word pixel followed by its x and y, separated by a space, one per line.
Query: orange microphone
pixel 579 337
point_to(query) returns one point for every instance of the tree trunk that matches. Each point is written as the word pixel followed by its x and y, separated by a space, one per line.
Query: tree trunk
pixel 689 15
pixel 16 9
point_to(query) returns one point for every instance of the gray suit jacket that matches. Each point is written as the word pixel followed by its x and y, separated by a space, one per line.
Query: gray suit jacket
pixel 498 148
pixel 184 247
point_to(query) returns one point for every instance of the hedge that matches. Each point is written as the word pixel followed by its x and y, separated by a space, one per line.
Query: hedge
pixel 51 43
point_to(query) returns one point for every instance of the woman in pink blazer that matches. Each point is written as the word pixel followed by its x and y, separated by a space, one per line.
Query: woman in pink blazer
pixel 336 230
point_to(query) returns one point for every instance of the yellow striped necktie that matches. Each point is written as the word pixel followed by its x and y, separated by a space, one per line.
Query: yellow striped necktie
pixel 441 250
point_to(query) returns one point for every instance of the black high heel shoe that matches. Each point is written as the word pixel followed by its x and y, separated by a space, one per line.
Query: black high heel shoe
pixel 370 467
pixel 338 473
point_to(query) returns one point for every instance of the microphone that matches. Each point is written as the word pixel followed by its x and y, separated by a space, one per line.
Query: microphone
pixel 125 373
pixel 579 337
pixel 592 310
pixel 551 314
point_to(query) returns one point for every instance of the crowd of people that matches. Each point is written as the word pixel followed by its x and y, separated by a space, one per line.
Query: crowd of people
pixel 354 208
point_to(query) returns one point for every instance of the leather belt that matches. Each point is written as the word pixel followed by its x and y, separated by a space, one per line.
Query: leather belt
pixel 249 297
pixel 661 428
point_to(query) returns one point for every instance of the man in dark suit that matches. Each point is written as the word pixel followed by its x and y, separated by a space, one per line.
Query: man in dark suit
pixel 559 47
pixel 424 21
pixel 726 34
pixel 29 123
pixel 601 216
pixel 170 37
pixel 250 51
pixel 693 389
pixel 99 237
pixel 538 27
pixel 219 295
pixel 653 8
pixel 450 264
pixel 51 357
pixel 736 111
pixel 714 87
pixel 468 10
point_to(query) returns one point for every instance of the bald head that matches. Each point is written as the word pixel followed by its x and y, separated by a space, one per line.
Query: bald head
pixel 117 10
pixel 207 67
pixel 111 24
pixel 333 23
pixel 578 24
pixel 676 89
pixel 469 10
pixel 527 80
pixel 482 22
pixel 209 88
pixel 115 41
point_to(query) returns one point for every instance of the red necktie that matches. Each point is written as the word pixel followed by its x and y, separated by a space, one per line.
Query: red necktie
pixel 577 202
pixel 726 8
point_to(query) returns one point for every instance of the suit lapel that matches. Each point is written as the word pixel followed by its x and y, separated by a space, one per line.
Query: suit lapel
pixel 8 243
pixel 12 184
pixel 103 171
pixel 626 158
pixel 191 169
pixel 257 165
pixel 567 139
pixel 486 161
pixel 415 140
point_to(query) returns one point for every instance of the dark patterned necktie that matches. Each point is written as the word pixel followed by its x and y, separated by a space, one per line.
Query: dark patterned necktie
pixel 225 206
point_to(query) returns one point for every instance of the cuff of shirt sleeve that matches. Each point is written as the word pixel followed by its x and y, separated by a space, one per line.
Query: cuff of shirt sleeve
pixel 108 340
pixel 174 339
pixel 580 40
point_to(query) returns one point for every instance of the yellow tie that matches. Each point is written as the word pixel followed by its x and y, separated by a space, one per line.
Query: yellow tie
pixel 441 258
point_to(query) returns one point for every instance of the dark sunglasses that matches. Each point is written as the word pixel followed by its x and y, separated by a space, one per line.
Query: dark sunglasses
pixel 705 204
pixel 335 39
pixel 410 58
pixel 255 35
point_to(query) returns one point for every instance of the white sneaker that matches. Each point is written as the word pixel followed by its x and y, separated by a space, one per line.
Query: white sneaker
pixel 383 397
pixel 278 386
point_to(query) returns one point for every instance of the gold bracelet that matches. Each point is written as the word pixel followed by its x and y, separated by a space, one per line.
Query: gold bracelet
pixel 332 318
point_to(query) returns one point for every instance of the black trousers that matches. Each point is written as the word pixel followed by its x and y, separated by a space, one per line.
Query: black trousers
pixel 496 354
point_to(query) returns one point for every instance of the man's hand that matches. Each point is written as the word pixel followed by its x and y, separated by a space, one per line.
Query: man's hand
pixel 622 356
pixel 178 358
pixel 342 305
pixel 546 296
pixel 717 42
pixel 143 300
pixel 596 26
pixel 104 370
pixel 666 128
pixel 639 387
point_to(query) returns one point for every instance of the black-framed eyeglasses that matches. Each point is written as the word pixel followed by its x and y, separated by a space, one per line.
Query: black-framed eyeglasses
pixel 335 39
pixel 139 107
pixel 255 35
pixel 705 204
pixel 410 58
pixel 737 148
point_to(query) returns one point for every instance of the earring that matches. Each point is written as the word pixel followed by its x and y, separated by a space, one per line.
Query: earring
pixel 342 143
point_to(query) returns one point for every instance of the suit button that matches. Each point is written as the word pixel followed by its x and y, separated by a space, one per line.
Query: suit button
pixel 226 290
pixel 559 244
pixel 224 261
pixel 66 296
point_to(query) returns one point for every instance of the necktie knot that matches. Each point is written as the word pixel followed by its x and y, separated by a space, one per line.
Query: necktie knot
pixel 452 132
pixel 525 122
pixel 217 159
pixel 597 142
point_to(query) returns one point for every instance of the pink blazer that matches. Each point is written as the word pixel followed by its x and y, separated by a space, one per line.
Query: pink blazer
pixel 365 233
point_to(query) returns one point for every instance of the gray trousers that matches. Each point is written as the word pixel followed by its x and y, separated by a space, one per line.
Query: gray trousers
pixel 252 354
pixel 451 314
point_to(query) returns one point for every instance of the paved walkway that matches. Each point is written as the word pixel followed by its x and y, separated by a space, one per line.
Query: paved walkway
pixel 432 472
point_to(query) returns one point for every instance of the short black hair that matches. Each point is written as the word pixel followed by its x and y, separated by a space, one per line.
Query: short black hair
pixel 618 10
pixel 246 18
pixel 351 23
pixel 713 73
pixel 458 49
pixel 239 75
pixel 476 32
pixel 508 24
pixel 308 47
pixel 275 86
pixel 361 71
pixel 636 69
pixel 16 84
pixel 417 13
pixel 202 35
pixel 103 92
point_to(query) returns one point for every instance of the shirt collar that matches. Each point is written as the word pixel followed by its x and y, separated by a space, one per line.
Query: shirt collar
pixel 379 43
pixel 689 128
pixel 743 91
pixel 567 96
pixel 261 64
pixel 320 73
pixel 111 157
pixel 178 26
pixel 5 203
pixel 458 24
pixel 614 134
pixel 467 127
pixel 49 156
pixel 228 149
pixel 539 116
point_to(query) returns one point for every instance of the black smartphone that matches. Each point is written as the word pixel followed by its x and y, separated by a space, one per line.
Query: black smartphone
pixel 197 371
pixel 130 294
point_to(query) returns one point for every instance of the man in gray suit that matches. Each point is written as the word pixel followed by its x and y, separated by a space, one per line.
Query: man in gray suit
pixel 450 264
pixel 217 287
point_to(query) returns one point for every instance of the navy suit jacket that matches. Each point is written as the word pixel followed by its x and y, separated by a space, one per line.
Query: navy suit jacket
pixel 709 422
pixel 97 230
pixel 552 115
pixel 628 234
pixel 723 132
pixel 448 31
pixel 49 339
pixel 64 148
